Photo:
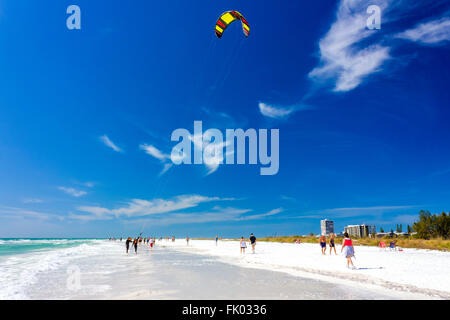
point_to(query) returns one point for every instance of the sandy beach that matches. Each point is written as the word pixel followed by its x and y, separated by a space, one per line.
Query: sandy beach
pixel 202 270
pixel 414 271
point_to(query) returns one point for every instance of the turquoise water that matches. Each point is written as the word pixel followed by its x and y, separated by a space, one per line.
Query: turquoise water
pixel 14 246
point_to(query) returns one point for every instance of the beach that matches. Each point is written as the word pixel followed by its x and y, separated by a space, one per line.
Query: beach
pixel 202 270
pixel 415 271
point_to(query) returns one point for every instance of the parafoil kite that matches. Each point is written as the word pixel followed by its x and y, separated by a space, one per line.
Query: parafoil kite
pixel 228 17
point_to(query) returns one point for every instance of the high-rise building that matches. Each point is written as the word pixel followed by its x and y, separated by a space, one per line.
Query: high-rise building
pixel 360 231
pixel 326 226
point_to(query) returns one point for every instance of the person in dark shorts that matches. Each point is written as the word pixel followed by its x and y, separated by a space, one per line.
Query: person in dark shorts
pixel 135 244
pixel 252 242
pixel 323 243
pixel 127 244
pixel 331 244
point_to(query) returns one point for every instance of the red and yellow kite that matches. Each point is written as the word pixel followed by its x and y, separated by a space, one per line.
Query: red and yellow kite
pixel 228 17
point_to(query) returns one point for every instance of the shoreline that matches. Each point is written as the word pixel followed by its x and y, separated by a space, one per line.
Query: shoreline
pixel 175 270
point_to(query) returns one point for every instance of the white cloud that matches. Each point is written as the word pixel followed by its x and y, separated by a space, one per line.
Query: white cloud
pixel 342 57
pixel 154 152
pixel 89 184
pixel 259 216
pixel 73 192
pixel 274 112
pixel 166 167
pixel 32 200
pixel 158 154
pixel 217 214
pixel 12 212
pixel 109 143
pixel 285 197
pixel 356 211
pixel 278 112
pixel 432 32
pixel 96 213
pixel 168 211
pixel 139 207
pixel 213 161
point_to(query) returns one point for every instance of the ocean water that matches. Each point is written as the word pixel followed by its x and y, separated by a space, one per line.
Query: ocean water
pixel 13 246
pixel 24 261
pixel 100 269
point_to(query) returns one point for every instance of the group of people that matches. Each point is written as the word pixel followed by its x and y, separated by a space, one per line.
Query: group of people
pixel 347 247
pixel 323 243
pixel 243 243
pixel 133 242
pixel 149 241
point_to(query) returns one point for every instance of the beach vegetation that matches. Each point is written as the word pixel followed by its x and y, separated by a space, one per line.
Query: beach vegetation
pixel 432 226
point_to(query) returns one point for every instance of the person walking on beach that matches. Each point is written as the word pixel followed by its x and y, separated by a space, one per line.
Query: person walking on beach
pixel 135 245
pixel 349 251
pixel 323 243
pixel 243 245
pixel 187 240
pixel 331 243
pixel 252 242
pixel 217 239
pixel 127 244
pixel 152 243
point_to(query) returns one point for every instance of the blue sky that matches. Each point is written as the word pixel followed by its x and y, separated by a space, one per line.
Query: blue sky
pixel 86 116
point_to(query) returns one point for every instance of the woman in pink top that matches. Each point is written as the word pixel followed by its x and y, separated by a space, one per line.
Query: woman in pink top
pixel 349 251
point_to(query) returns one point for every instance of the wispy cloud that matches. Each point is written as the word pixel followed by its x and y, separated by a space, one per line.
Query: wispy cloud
pixel 158 154
pixel 432 32
pixel 139 207
pixel 402 218
pixel 13 212
pixel 348 212
pixel 216 214
pixel 259 216
pixel 95 213
pixel 349 52
pixel 351 211
pixel 109 143
pixel 279 112
pixel 32 200
pixel 166 167
pixel 169 211
pixel 213 160
pixel 285 197
pixel 154 152
pixel 73 192
pixel 275 112
pixel 89 184
pixel 343 57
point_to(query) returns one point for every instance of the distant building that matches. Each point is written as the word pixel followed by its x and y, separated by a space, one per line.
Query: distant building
pixel 326 227
pixel 360 230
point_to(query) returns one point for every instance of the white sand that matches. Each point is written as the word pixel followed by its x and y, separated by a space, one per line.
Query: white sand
pixel 411 270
